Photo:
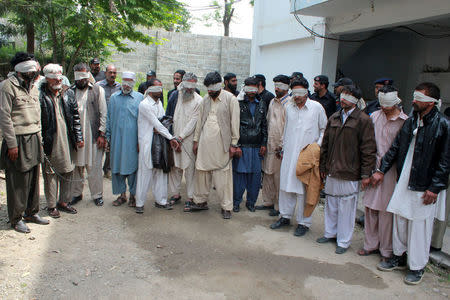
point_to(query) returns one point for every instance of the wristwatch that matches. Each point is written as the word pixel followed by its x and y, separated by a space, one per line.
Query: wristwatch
pixel 378 170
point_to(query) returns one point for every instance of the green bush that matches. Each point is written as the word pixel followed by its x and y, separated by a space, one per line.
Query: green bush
pixel 8 51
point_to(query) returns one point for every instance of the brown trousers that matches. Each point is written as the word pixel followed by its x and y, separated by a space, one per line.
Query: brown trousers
pixel 22 190
pixel 378 231
pixel 271 189
pixel 53 183
pixel 22 177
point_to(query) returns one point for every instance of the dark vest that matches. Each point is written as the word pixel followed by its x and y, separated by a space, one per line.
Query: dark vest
pixel 93 109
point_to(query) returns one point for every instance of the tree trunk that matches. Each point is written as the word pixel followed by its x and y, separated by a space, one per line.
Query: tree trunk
pixel 63 52
pixel 227 15
pixel 73 59
pixel 51 24
pixel 226 30
pixel 29 29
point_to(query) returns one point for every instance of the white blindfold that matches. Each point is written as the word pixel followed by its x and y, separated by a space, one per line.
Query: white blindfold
pixel 26 66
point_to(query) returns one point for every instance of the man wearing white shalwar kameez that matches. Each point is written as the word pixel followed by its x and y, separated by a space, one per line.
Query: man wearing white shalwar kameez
pixel 184 121
pixel 92 109
pixel 347 155
pixel 150 111
pixel 422 153
pixel 305 124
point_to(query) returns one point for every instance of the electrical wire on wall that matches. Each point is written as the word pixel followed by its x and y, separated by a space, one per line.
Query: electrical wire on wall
pixel 315 34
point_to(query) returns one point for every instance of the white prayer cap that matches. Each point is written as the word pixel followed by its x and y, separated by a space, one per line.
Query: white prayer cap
pixel 128 75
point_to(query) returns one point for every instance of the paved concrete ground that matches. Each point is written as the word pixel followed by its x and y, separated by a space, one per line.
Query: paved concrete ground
pixel 441 258
pixel 113 253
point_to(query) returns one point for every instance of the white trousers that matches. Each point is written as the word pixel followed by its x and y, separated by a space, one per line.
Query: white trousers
pixel 155 179
pixel 95 177
pixel 340 215
pixel 413 237
pixel 175 177
pixel 287 202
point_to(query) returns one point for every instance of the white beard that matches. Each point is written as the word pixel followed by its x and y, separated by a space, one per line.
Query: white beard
pixel 126 89
pixel 56 86
pixel 187 96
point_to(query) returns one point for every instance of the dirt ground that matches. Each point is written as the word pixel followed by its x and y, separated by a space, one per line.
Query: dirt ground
pixel 113 253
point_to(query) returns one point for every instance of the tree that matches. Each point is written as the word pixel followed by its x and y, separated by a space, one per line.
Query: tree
pixel 223 14
pixel 183 24
pixel 75 30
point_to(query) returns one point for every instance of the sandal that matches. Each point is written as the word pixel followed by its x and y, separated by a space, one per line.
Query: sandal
pixel 187 206
pixel 202 206
pixel 119 201
pixel 132 202
pixel 166 206
pixel 66 208
pixel 174 200
pixel 364 252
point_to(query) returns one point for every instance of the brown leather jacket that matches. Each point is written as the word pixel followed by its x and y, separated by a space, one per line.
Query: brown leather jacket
pixel 348 150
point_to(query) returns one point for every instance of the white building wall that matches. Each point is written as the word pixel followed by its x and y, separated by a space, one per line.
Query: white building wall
pixel 280 45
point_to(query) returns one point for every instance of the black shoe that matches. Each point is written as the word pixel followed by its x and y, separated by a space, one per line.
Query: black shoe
pixel 226 214
pixel 236 208
pixel 139 209
pixel 360 221
pixel 340 250
pixel 323 240
pixel 250 207
pixel 263 207
pixel 414 277
pixel 36 219
pixel 98 201
pixel 301 230
pixel 76 199
pixel 274 213
pixel 394 263
pixel 21 227
pixel 280 223
pixel 433 249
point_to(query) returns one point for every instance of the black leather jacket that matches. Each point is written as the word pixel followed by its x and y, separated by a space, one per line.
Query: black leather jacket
pixel 431 160
pixel 252 129
pixel 48 119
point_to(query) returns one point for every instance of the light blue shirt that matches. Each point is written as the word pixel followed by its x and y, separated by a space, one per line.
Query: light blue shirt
pixel 346 114
pixel 122 131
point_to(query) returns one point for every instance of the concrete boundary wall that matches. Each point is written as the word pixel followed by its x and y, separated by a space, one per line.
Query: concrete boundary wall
pixel 195 53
